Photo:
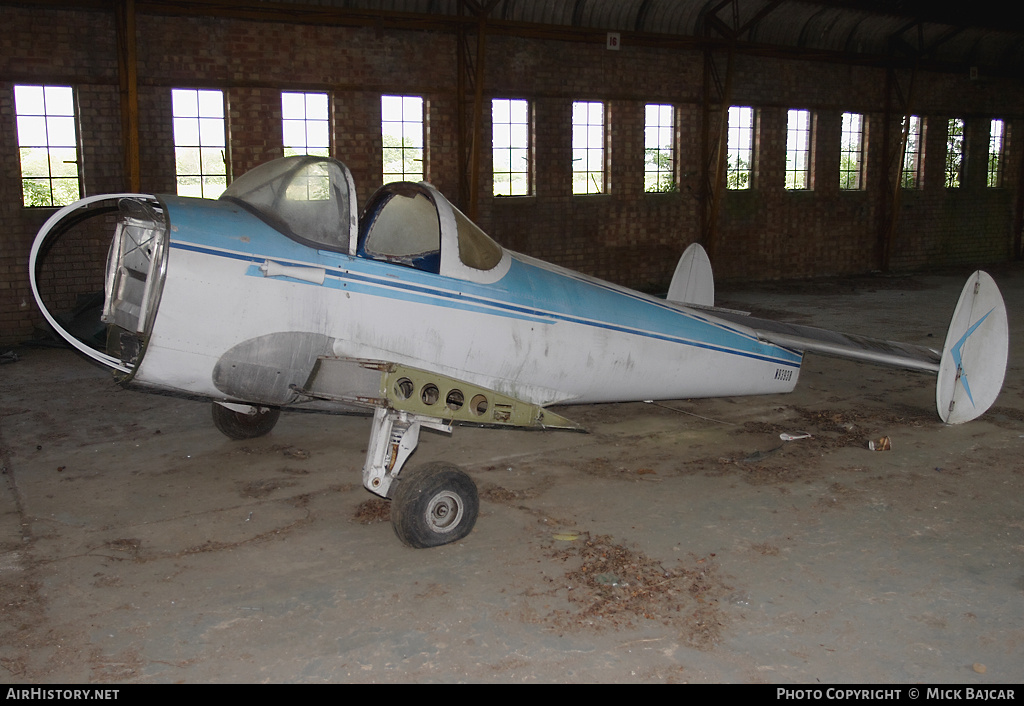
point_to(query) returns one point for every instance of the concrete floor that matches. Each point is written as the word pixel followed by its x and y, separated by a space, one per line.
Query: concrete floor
pixel 681 542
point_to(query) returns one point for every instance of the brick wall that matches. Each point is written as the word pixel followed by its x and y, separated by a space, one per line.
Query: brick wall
pixel 625 235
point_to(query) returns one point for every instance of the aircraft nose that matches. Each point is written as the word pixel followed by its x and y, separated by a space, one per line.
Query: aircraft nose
pixel 132 280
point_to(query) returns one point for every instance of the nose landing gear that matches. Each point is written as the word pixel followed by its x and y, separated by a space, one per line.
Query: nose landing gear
pixel 433 504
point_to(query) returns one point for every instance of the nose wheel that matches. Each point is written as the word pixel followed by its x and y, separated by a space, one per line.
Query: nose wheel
pixel 433 505
pixel 244 421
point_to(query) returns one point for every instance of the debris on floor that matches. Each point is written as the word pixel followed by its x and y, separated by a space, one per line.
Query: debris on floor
pixel 882 444
pixel 612 586
pixel 372 511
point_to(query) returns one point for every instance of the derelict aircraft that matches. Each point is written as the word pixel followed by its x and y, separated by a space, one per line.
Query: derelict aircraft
pixel 279 295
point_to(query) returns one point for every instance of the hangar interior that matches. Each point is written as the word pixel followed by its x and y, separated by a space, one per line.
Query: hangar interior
pixel 792 139
pixel 874 144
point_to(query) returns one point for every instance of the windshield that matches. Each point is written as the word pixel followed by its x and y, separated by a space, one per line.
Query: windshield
pixel 307 198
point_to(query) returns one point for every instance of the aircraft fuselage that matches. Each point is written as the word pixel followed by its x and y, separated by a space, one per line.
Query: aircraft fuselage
pixel 540 333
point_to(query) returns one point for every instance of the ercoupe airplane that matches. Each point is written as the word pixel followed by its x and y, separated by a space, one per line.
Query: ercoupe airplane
pixel 276 295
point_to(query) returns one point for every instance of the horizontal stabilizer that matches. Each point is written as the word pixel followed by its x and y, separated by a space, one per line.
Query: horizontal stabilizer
pixel 970 367
pixel 974 356
pixel 842 345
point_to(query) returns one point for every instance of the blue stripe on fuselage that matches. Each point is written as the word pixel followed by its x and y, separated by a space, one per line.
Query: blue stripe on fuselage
pixel 530 292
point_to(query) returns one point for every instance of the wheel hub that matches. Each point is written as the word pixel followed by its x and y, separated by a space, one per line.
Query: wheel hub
pixel 444 512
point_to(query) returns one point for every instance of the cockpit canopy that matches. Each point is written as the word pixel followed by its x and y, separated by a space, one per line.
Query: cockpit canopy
pixel 313 200
pixel 309 199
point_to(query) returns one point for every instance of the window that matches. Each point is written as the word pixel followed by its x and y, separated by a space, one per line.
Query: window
pixel 798 150
pixel 402 133
pixel 659 148
pixel 200 162
pixel 740 154
pixel 305 124
pixel 588 148
pixel 995 154
pixel 954 153
pixel 48 145
pixel 510 120
pixel 913 154
pixel 851 152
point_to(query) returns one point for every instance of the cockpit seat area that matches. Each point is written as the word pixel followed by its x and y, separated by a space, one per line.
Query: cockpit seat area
pixel 400 225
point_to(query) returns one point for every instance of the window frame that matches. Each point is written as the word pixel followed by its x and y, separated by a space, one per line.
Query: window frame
pixel 737 177
pixel 401 122
pixel 506 148
pixel 956 153
pixel 799 150
pixel 996 154
pixel 913 154
pixel 589 145
pixel 852 148
pixel 197 132
pixel 663 130
pixel 52 136
pixel 295 122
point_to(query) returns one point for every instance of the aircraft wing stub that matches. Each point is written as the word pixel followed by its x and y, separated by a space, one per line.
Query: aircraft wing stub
pixel 427 394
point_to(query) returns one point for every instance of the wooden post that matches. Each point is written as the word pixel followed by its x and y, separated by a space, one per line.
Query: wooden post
pixel 127 70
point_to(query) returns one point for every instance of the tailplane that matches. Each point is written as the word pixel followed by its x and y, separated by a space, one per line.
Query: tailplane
pixel 975 353
pixel 970 367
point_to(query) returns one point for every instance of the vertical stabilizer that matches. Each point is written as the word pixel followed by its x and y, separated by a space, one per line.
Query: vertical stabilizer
pixel 693 281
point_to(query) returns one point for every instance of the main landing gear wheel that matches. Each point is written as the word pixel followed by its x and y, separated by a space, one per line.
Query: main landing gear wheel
pixel 239 425
pixel 433 505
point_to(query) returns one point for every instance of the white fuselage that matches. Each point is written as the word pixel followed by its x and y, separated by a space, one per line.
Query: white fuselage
pixel 541 334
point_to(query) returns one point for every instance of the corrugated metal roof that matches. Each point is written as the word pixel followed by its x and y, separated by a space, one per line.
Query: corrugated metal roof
pixel 785 25
pixel 619 16
pixel 555 12
pixel 670 17
pixel 985 34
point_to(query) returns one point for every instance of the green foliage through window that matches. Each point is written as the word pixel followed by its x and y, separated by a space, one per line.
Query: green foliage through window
pixel 851 152
pixel 954 153
pixel 994 177
pixel 798 150
pixel 659 148
pixel 510 147
pixel 402 138
pixel 200 146
pixel 737 173
pixel 913 155
pixel 740 156
pixel 48 145
pixel 588 161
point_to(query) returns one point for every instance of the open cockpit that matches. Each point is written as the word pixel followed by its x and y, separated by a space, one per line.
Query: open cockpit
pixel 312 200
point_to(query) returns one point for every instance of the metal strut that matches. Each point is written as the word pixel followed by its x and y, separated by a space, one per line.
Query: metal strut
pixel 393 438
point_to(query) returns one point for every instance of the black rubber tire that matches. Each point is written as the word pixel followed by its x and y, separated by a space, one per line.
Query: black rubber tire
pixel 238 425
pixel 433 505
